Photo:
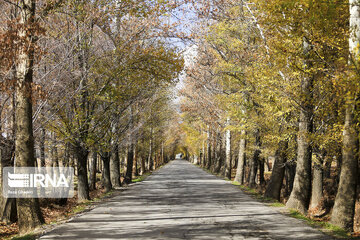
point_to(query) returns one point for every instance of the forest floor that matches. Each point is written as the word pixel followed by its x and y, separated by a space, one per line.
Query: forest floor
pixel 182 201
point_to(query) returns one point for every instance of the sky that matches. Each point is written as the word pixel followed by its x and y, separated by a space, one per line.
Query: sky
pixel 185 19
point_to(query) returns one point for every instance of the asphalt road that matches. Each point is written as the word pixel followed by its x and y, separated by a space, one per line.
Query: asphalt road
pixel 181 201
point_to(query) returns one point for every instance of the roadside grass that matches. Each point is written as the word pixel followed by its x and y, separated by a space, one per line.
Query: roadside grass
pixel 324 226
pixel 79 208
pixel 277 204
pixel 30 236
pixel 141 178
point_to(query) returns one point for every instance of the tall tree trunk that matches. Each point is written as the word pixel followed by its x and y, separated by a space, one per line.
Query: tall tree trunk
pixel 300 195
pixel 65 163
pixel 339 158
pixel 83 185
pixel 115 167
pixel 290 169
pixel 105 157
pixel 54 152
pixel 29 214
pixel 8 213
pixel 202 163
pixel 218 152
pixel 227 172
pixel 317 184
pixel 150 162
pixel 42 147
pixel 262 171
pixel 327 167
pixel 142 161
pixel 162 153
pixel 135 165
pixel 273 189
pixel 255 160
pixel 125 157
pixel 208 149
pixel 129 164
pixel 155 161
pixel 213 151
pixel 130 153
pixel 240 170
pixel 344 207
pixel 93 165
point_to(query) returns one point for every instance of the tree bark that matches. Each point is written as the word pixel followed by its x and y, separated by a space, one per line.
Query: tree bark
pixel 54 152
pixel 93 165
pixel 129 164
pixel 300 195
pixel 213 151
pixel 162 154
pixel 105 157
pixel 42 147
pixel 317 185
pixel 29 214
pixel 327 170
pixel 344 207
pixel 115 167
pixel 227 172
pixel 273 189
pixel 8 213
pixel 135 165
pixel 142 161
pixel 150 160
pixel 208 149
pixel 203 158
pixel 130 153
pixel 255 160
pixel 290 169
pixel 83 186
pixel 262 171
pixel 218 152
pixel 240 170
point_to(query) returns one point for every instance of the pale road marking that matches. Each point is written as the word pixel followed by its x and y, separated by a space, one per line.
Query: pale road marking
pixel 181 201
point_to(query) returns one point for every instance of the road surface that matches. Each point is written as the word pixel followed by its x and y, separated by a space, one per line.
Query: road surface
pixel 181 201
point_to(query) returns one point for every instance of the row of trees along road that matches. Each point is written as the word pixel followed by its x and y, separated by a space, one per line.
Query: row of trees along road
pixel 278 80
pixel 273 86
pixel 83 81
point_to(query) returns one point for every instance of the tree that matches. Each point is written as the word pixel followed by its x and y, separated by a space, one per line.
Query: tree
pixel 228 152
pixel 344 207
pixel 240 170
pixel 273 189
pixel 29 214
pixel 301 193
